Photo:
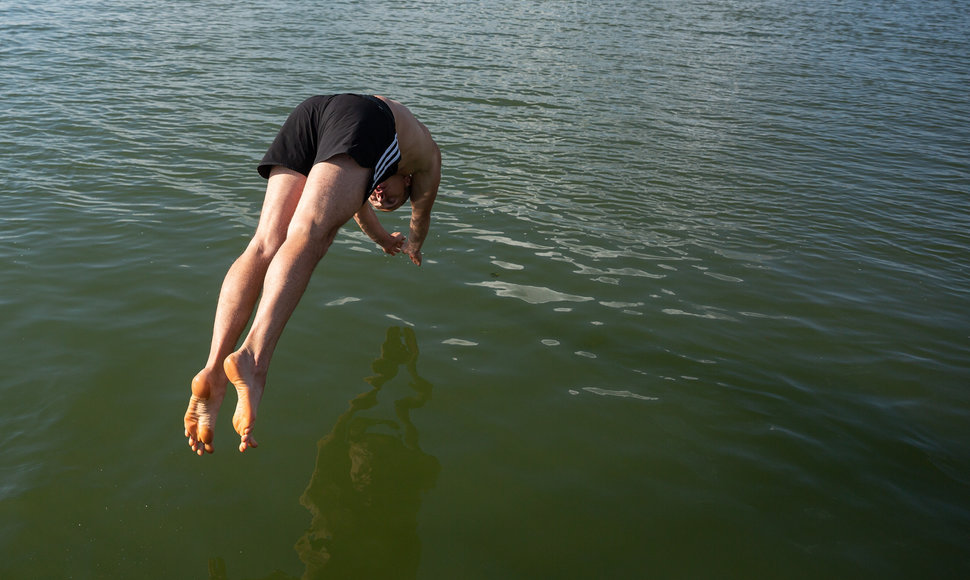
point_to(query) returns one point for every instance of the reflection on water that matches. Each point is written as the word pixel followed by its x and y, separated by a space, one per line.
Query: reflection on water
pixel 365 491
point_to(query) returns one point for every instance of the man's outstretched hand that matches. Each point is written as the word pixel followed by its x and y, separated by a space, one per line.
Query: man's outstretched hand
pixel 412 252
pixel 393 244
pixel 396 243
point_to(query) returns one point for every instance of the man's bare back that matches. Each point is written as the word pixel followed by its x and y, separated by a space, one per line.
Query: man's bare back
pixel 421 161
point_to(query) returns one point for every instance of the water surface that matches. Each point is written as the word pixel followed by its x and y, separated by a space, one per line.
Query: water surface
pixel 695 302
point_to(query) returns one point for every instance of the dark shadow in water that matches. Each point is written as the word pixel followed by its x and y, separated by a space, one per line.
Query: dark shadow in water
pixel 365 492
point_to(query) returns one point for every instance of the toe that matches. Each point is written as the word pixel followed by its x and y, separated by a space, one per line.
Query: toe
pixel 246 441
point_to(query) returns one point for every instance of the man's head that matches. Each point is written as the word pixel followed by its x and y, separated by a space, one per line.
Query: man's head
pixel 391 193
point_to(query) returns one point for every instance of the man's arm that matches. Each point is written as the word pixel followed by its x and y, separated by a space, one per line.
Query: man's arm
pixel 424 190
pixel 370 225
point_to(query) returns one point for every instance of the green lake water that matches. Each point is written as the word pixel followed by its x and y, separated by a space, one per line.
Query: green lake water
pixel 695 302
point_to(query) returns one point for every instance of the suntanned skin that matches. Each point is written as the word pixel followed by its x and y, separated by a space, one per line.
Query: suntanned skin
pixel 420 167
pixel 299 220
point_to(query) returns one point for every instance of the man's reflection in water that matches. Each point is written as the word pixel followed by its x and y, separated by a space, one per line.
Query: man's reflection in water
pixel 365 492
pixel 366 489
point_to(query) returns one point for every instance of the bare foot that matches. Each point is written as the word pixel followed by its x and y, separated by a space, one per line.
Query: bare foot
pixel 241 370
pixel 208 390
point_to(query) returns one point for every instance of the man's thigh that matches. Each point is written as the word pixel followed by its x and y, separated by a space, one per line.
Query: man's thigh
pixel 334 192
pixel 283 191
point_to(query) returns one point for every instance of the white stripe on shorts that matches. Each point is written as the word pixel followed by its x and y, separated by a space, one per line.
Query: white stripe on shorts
pixel 391 156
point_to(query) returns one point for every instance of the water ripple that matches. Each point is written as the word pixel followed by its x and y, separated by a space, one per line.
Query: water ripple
pixel 754 211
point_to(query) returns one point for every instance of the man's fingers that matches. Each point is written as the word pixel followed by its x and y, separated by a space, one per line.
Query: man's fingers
pixel 396 244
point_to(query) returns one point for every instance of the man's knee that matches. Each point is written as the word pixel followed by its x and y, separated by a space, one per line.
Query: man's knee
pixel 264 246
pixel 311 237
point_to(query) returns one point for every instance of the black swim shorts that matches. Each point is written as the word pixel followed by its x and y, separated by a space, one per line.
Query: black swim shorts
pixel 321 127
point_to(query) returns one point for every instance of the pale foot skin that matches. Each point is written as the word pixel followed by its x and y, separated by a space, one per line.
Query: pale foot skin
pixel 208 390
pixel 241 371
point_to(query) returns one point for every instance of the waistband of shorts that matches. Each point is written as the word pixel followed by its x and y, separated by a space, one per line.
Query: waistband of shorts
pixel 381 104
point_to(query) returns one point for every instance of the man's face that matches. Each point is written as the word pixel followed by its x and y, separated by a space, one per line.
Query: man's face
pixel 391 193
